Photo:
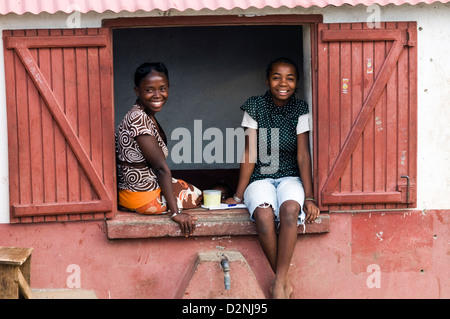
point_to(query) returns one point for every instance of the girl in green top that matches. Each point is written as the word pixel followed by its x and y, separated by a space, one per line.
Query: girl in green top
pixel 275 179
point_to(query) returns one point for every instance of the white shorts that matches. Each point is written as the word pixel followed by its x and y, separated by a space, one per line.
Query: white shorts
pixel 275 192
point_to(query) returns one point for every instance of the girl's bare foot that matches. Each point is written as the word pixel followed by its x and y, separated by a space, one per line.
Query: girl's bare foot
pixel 279 289
pixel 288 289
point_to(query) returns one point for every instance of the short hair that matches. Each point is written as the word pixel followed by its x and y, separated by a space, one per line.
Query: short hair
pixel 281 60
pixel 148 67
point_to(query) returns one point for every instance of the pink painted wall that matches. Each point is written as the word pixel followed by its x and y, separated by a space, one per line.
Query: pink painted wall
pixel 411 250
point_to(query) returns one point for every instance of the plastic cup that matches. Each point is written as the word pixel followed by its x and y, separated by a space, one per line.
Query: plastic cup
pixel 211 197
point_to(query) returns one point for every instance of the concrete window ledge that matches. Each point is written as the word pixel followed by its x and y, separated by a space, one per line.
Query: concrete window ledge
pixel 209 223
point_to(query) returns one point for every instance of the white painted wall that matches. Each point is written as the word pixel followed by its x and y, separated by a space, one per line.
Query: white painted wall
pixel 433 80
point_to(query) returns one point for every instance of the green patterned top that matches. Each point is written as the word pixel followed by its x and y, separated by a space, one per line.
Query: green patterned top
pixel 277 136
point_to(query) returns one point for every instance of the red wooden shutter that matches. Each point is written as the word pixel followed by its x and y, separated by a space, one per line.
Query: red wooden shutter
pixel 60 124
pixel 366 116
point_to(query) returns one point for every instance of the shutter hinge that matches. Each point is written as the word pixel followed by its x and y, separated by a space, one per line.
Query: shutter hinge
pixel 408 191
pixel 410 37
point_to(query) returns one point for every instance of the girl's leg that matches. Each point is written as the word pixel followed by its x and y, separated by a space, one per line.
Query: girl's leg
pixel 188 196
pixel 287 239
pixel 260 198
pixel 265 225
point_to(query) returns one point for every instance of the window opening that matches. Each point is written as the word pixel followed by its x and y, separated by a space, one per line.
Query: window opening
pixel 212 71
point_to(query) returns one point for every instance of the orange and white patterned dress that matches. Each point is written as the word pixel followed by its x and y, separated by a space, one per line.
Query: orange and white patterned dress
pixel 138 185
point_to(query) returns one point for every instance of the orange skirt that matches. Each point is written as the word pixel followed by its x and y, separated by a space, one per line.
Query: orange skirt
pixel 153 202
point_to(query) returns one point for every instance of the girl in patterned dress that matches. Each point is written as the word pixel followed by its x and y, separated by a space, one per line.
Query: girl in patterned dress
pixel 145 181
pixel 275 179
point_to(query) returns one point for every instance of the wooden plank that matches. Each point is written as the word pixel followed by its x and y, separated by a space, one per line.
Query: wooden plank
pixel 11 113
pixel 68 41
pixel 61 208
pixel 95 115
pixel 285 19
pixel 9 288
pixel 412 168
pixel 334 104
pixel 363 197
pixel 391 127
pixel 322 115
pixel 25 269
pixel 36 137
pixel 379 124
pixel 404 155
pixel 368 133
pixel 15 256
pixel 48 132
pixel 24 158
pixel 71 114
pixel 314 107
pixel 107 114
pixel 357 80
pixel 24 287
pixel 367 35
pixel 345 114
pixel 82 85
pixel 57 86
pixel 232 222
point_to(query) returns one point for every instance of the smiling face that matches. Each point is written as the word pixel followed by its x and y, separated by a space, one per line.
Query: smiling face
pixel 153 91
pixel 282 81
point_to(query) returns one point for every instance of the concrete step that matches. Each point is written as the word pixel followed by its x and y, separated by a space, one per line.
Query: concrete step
pixel 205 279
pixel 63 294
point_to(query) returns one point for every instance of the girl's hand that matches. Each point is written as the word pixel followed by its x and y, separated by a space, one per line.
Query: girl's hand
pixel 186 222
pixel 230 201
pixel 311 210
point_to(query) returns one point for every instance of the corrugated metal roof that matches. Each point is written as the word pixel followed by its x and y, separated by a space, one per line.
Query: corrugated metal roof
pixel 52 6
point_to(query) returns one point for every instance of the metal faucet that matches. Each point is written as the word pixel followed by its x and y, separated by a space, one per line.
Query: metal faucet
pixel 226 271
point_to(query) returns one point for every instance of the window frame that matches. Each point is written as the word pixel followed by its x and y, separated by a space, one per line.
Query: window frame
pixel 405 194
pixel 314 22
pixel 231 222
